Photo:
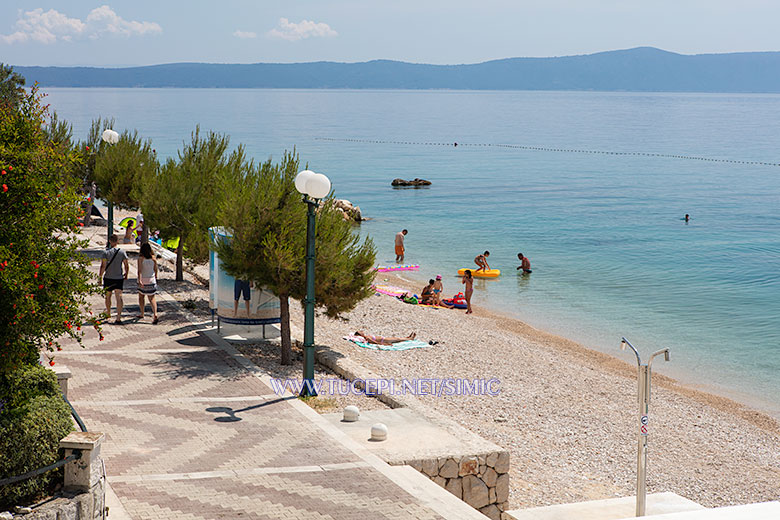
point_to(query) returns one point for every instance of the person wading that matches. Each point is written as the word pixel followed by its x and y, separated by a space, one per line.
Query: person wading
pixel 399 246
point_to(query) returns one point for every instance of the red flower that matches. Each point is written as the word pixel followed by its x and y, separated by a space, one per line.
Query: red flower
pixel 87 148
pixel 5 188
pixel 40 286
pixel 10 168
pixel 51 362
pixel 4 172
pixel 35 275
pixel 81 224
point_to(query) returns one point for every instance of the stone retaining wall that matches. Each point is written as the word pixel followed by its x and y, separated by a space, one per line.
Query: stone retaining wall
pixel 84 488
pixel 482 481
pixel 83 506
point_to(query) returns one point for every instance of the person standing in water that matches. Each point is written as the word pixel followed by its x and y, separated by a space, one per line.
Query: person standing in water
pixel 399 246
pixel 481 261
pixel 468 280
pixel 525 263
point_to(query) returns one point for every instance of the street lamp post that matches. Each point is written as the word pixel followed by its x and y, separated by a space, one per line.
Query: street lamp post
pixel 644 407
pixel 314 187
pixel 110 137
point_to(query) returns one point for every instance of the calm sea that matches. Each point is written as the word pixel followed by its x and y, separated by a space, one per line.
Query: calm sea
pixel 611 256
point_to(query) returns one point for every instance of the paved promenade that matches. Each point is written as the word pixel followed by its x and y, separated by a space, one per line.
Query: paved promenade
pixel 194 432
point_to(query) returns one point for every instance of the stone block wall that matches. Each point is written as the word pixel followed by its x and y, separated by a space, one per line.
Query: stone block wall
pixel 482 480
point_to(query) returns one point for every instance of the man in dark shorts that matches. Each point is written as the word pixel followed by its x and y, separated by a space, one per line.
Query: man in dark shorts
pixel 114 279
pixel 525 263
pixel 241 288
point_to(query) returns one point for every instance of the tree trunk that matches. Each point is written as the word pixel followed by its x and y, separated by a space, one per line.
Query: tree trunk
pixel 284 314
pixel 180 261
pixel 90 203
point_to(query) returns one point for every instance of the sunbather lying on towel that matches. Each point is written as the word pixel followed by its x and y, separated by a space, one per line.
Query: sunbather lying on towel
pixel 379 340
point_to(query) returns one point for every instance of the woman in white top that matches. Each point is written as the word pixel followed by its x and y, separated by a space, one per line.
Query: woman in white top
pixel 147 279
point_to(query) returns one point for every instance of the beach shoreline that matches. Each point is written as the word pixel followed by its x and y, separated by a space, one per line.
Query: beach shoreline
pixel 685 380
pixel 566 412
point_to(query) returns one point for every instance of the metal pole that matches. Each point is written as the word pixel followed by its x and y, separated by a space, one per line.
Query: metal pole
pixel 641 456
pixel 110 222
pixel 643 400
pixel 308 328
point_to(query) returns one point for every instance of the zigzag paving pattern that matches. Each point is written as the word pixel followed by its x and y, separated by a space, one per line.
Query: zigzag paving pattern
pixel 191 433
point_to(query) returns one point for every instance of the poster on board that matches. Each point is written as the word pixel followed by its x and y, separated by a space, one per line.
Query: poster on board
pixel 238 301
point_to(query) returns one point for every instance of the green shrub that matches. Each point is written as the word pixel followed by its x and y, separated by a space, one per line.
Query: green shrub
pixel 33 420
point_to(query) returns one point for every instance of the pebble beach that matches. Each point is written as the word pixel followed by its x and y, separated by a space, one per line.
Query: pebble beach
pixel 568 414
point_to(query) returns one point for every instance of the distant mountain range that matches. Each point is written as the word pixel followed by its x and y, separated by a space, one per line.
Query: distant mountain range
pixel 643 69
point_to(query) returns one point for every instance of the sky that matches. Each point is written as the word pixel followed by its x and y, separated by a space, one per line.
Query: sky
pixel 110 33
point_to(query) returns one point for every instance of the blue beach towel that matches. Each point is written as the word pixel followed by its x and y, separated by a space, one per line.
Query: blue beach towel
pixel 401 345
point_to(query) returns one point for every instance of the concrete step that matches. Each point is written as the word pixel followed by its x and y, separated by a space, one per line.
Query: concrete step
pixel 608 509
pixel 759 511
pixel 660 506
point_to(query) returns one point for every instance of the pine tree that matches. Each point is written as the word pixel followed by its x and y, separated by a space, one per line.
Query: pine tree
pixel 179 199
pixel 267 221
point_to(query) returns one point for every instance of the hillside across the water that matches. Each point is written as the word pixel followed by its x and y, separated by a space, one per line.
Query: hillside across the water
pixel 643 69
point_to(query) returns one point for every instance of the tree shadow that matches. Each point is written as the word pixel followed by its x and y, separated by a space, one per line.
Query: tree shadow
pixel 202 364
pixel 230 413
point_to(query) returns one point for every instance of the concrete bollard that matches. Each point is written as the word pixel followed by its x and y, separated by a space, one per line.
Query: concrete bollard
pixel 378 432
pixel 63 374
pixel 351 414
pixel 82 474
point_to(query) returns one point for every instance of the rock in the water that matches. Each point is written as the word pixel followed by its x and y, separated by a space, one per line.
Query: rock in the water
pixel 350 212
pixel 413 182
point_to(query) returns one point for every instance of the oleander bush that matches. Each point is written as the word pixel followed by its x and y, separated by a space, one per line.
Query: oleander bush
pixel 44 284
pixel 33 419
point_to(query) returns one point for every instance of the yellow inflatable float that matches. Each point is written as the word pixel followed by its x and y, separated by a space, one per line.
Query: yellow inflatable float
pixel 490 273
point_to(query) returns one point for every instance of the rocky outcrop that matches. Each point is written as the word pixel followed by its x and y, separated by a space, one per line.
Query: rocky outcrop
pixel 350 212
pixel 413 182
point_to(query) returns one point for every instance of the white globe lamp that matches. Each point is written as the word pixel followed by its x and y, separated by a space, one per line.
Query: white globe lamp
pixel 301 179
pixel 318 186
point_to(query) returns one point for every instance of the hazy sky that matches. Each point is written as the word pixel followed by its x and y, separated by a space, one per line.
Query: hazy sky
pixel 143 32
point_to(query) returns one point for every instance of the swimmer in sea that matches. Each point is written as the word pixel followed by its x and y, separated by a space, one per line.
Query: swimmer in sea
pixel 525 263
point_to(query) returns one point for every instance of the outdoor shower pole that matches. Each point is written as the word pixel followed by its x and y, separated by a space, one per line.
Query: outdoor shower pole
pixel 644 408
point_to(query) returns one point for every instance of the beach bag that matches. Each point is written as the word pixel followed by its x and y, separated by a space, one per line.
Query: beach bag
pixel 411 299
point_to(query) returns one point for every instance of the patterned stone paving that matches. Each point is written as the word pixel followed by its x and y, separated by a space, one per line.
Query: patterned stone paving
pixel 192 434
pixel 345 494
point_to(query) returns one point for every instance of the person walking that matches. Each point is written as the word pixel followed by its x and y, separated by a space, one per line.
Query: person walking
pixel 468 280
pixel 114 279
pixel 525 263
pixel 147 280
pixel 399 246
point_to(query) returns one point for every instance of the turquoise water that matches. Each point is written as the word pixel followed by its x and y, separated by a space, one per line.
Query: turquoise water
pixel 610 253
